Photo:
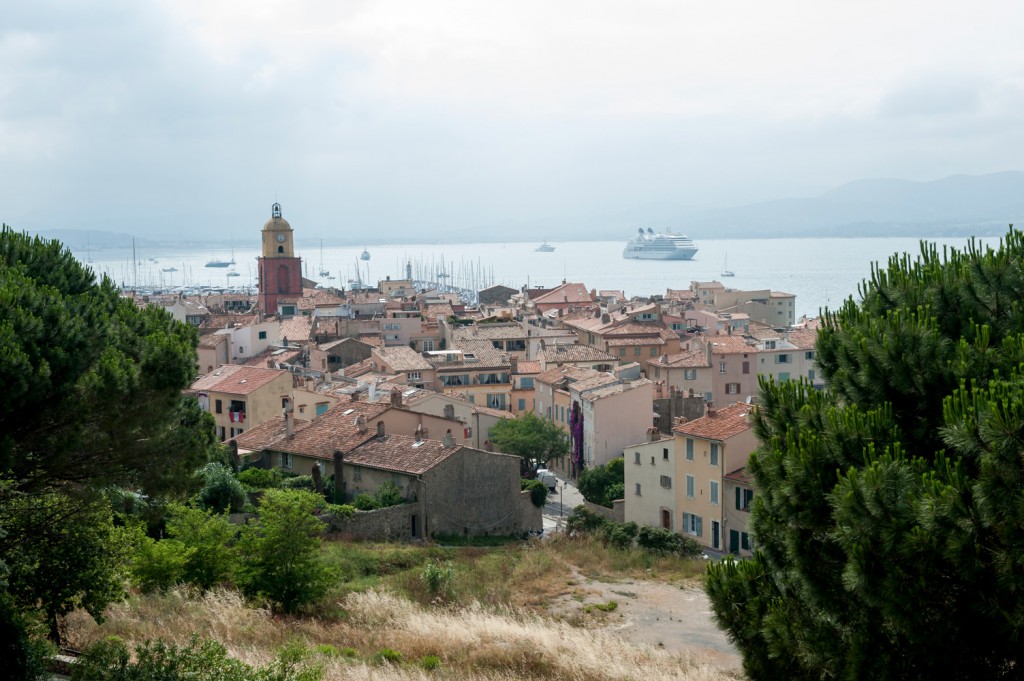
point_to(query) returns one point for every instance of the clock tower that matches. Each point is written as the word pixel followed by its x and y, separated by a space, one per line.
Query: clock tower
pixel 280 271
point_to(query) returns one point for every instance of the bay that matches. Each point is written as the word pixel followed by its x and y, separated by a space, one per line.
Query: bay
pixel 820 272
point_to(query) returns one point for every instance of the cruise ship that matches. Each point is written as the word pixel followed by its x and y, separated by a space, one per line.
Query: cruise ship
pixel 661 246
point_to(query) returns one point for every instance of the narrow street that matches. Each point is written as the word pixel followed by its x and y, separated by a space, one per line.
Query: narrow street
pixel 559 506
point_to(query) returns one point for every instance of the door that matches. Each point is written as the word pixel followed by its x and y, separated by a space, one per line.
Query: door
pixel 666 519
pixel 715 543
pixel 414 534
pixel 734 541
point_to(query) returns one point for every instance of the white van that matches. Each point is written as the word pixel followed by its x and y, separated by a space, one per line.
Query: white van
pixel 548 478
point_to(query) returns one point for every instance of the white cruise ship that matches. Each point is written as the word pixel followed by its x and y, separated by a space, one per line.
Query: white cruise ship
pixel 661 246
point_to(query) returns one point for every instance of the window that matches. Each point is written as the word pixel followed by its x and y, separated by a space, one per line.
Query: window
pixel 636 351
pixel 392 326
pixel 689 486
pixel 320 408
pixel 809 354
pixel 732 388
pixel 654 352
pixel 692 524
pixel 746 367
pixel 413 375
pixel 526 383
pixel 522 405
pixel 783 376
pixel 721 367
pixel 636 457
pixel 744 497
pixel 664 453
pixel 810 374
pixel 689 374
pixel 714 492
pixel 263 335
pixel 288 309
pixel 284 459
pixel 769 345
pixel 622 352
pixel 428 345
pixel 782 359
pixel 666 482
pixel 689 449
pixel 714 454
pixel 745 541
pixel 637 492
pixel 357 474
pixel 218 407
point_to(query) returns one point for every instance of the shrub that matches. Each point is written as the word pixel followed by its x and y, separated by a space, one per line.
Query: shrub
pixel 342 510
pixel 281 554
pixel 438 577
pixel 388 494
pixel 387 655
pixel 662 540
pixel 159 565
pixel 430 662
pixel 538 491
pixel 260 478
pixel 584 521
pixel 364 502
pixel 619 535
pixel 208 539
pixel 603 484
pixel 299 482
pixel 199 660
pixel 221 490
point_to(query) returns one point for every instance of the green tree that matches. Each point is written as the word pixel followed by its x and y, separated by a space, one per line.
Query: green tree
pixel 281 554
pixel 208 542
pixel 603 484
pixel 536 440
pixel 889 516
pixel 221 490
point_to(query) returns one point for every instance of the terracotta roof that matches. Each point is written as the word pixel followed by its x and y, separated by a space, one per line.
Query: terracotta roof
pixel 609 390
pixel 372 339
pixel 599 380
pixel 527 366
pixel 718 424
pixel 497 331
pixel 404 358
pixel 400 453
pixel 804 339
pixel 630 341
pixel 297 328
pixel 724 344
pixel 314 297
pixel 741 476
pixel 284 355
pixel 566 293
pixel 226 321
pixel 237 380
pixel 570 371
pixel 212 340
pixel 697 358
pixel 334 429
pixel 574 353
pixel 262 436
pixel 485 356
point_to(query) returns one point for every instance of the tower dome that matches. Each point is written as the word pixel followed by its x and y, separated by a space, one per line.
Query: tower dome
pixel 276 222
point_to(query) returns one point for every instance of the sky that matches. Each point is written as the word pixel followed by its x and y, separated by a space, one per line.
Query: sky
pixel 381 121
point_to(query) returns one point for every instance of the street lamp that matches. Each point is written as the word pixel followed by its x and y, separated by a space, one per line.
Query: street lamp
pixel 560 488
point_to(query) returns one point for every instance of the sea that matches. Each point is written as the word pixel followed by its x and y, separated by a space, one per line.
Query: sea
pixel 821 272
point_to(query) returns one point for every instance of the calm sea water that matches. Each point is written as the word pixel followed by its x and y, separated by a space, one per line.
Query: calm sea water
pixel 820 272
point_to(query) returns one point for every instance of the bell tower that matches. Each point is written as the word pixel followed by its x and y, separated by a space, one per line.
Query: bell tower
pixel 280 271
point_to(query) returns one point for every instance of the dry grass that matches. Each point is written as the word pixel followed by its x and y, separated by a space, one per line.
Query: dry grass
pixel 471 643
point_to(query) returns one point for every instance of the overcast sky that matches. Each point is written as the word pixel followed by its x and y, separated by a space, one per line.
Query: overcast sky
pixel 384 118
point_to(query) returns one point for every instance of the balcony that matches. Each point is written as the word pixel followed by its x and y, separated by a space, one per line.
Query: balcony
pixel 236 416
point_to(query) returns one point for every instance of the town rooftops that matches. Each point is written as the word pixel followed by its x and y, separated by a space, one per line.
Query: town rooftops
pixel 275 355
pixel 694 359
pixel 236 380
pixel 718 424
pixel 724 344
pixel 565 353
pixel 261 437
pixel 526 367
pixel 297 328
pixel 566 293
pixel 342 428
pixel 495 331
pixel 569 372
pixel 741 476
pixel 612 389
pixel 404 358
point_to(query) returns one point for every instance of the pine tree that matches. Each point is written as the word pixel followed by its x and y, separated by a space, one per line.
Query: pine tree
pixel 890 509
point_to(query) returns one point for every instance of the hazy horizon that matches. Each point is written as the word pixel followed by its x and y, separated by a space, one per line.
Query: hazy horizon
pixel 385 121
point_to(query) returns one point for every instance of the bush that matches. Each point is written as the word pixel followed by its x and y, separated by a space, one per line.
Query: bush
pixel 584 521
pixel 281 554
pixel 438 577
pixel 388 494
pixel 260 478
pixel 299 482
pixel 221 489
pixel 619 535
pixel 603 484
pixel 23 646
pixel 159 565
pixel 199 660
pixel 387 655
pixel 430 662
pixel 364 502
pixel 538 492
pixel 662 540
pixel 208 539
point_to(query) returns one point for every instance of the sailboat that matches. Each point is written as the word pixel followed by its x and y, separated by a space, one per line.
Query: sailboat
pixel 323 271
pixel 365 255
pixel 726 272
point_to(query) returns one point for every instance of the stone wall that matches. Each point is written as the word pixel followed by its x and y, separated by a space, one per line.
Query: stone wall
pixel 616 513
pixel 476 493
pixel 393 522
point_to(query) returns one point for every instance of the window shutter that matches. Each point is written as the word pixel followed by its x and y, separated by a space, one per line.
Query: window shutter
pixel 699 526
pixel 686 522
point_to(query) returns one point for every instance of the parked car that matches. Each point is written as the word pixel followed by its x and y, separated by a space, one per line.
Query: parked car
pixel 548 478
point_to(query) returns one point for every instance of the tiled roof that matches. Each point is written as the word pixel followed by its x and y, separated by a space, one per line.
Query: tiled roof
pixel 570 371
pixel 804 339
pixel 697 358
pixel 404 358
pixel 334 429
pixel 297 328
pixel 741 476
pixel 236 380
pixel 599 380
pixel 490 411
pixel 528 366
pixel 782 294
pixel 486 356
pixel 401 454
pixel 724 344
pixel 314 297
pixel 718 424
pixel 574 353
pixel 212 340
pixel 227 321
pixel 262 436
pixel 566 293
pixel 499 331
pixel 629 341
pixel 373 339
pixel 282 355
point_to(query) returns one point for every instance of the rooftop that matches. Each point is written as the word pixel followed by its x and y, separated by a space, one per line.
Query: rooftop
pixel 718 424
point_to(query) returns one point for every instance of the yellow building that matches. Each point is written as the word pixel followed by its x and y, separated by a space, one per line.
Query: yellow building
pixel 240 397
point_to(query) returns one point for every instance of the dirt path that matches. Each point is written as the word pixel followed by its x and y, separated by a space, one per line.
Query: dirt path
pixel 675 618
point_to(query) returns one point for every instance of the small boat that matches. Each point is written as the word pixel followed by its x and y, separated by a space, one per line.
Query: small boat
pixel 544 248
pixel 170 269
pixel 232 273
pixel 726 272
pixel 324 272
pixel 365 255
pixel 217 263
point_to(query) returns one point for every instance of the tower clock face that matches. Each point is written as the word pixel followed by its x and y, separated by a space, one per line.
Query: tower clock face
pixel 280 238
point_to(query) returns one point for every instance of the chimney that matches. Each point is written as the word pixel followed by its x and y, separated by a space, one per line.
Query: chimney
pixel 449 439
pixel 419 433
pixel 514 362
pixel 361 423
pixel 710 409
pixel 396 397
pixel 289 417
pixel 380 429
pixel 653 434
